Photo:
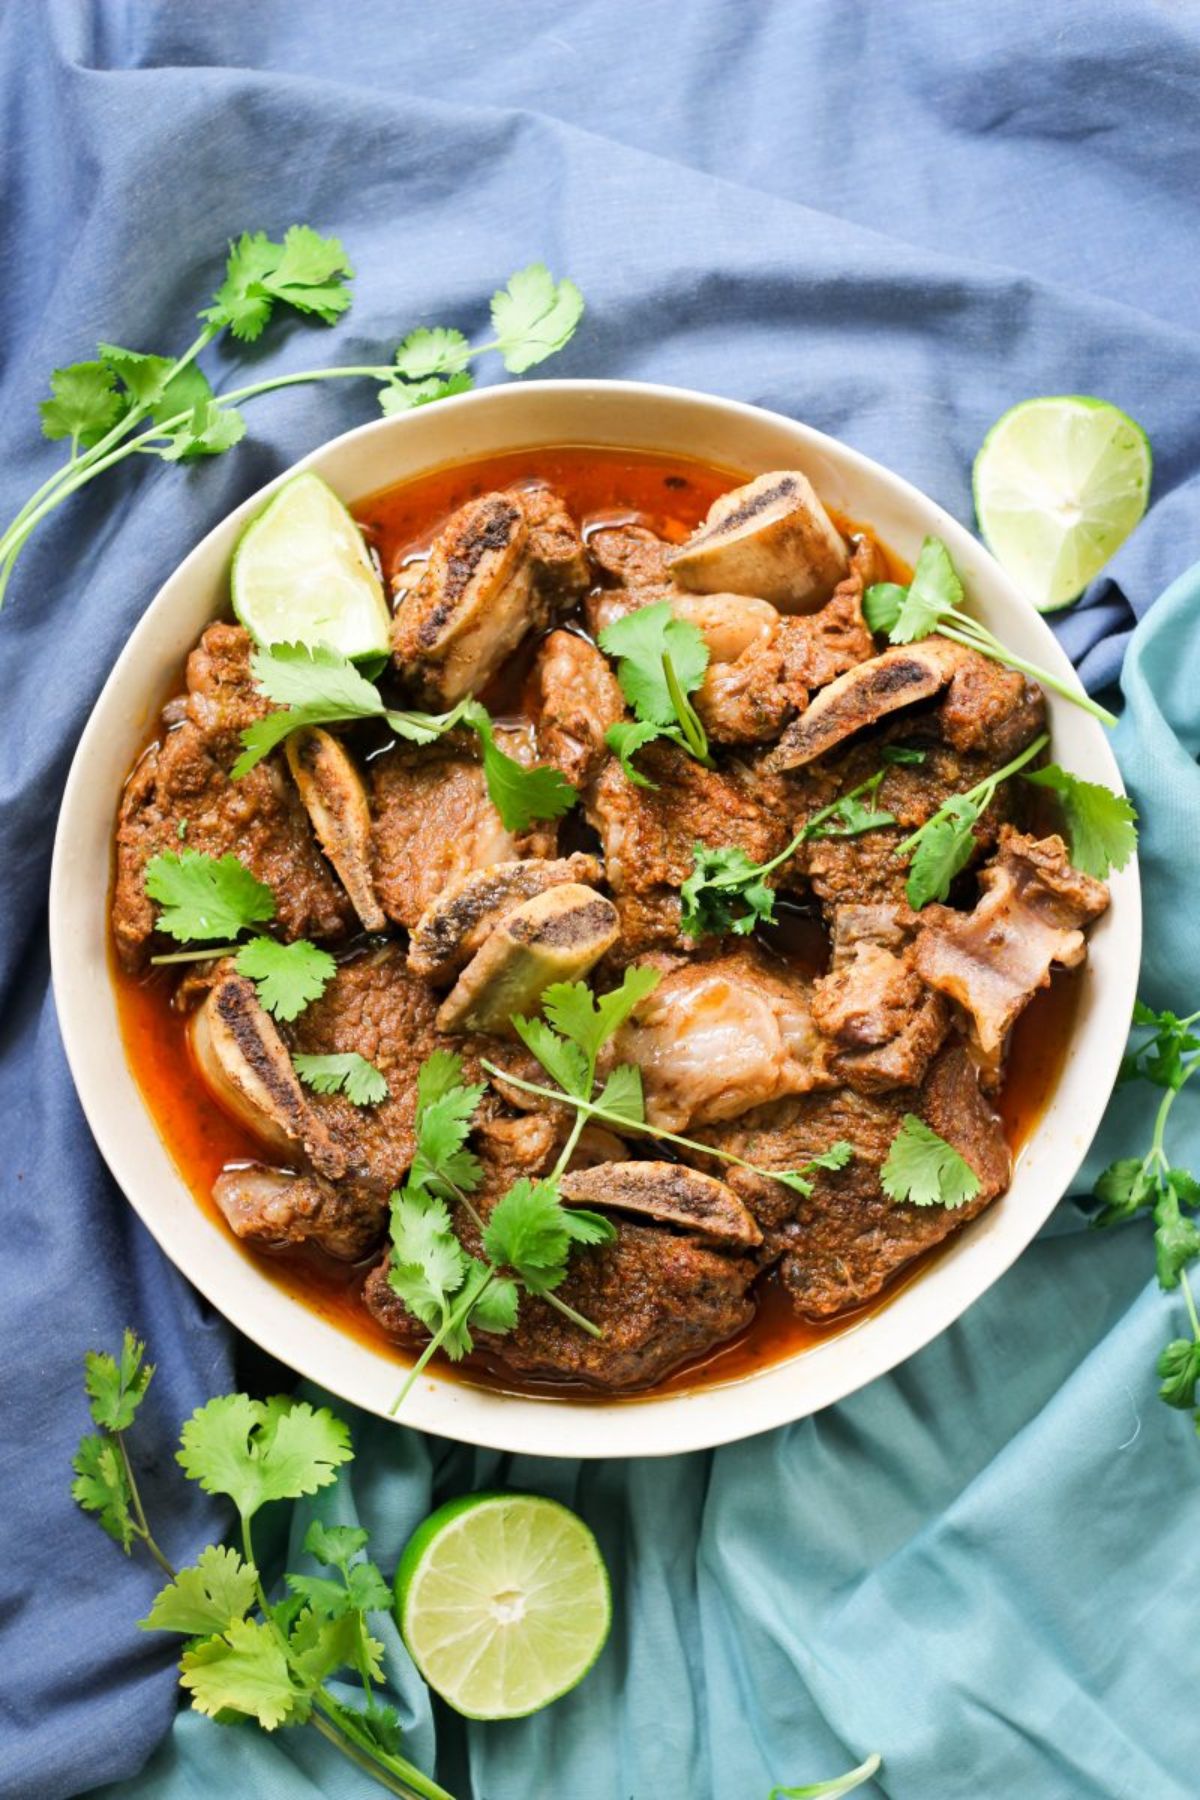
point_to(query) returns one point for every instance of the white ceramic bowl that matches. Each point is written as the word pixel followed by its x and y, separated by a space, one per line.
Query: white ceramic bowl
pixel 391 450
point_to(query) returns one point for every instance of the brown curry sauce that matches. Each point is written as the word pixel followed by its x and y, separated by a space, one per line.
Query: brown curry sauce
pixel 600 486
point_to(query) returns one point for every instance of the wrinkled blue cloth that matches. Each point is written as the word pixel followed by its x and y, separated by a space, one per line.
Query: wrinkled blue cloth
pixel 892 220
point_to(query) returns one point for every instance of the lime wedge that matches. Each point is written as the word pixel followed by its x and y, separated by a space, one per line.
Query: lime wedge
pixel 503 1602
pixel 301 574
pixel 1059 485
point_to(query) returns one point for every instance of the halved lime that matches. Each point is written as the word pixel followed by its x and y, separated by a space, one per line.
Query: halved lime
pixel 503 1601
pixel 1059 485
pixel 301 574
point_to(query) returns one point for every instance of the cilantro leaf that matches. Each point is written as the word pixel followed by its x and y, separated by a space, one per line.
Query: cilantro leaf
pixel 497 1307
pixel 622 1094
pixel 527 1232
pixel 924 1170
pixel 308 674
pixel 428 1265
pixel 1179 1365
pixel 204 898
pixel 913 612
pixel 403 396
pixel 345 1073
pixel 85 404
pixel 243 1669
pixel 625 739
pixel 116 1389
pixel 1125 1187
pixel 208 1597
pixel 585 1227
pixel 640 641
pixel 944 848
pixel 519 795
pixel 321 1643
pixel 564 1061
pixel 101 1486
pixel 533 316
pixel 211 429
pixel 288 977
pixel 1176 1239
pixel 440 351
pixel 850 818
pixel 902 753
pixel 255 1451
pixel 1101 825
pixel 588 1019
pixel 305 271
pixel 737 902
pixel 836 1157
pixel 1160 1058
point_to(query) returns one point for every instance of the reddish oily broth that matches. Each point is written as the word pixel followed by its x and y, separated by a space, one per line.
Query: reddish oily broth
pixel 670 495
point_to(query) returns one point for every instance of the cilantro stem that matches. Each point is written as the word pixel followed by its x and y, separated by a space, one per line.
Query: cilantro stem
pixel 974 636
pixel 569 1312
pixel 451 1323
pixel 693 731
pixel 732 878
pixel 589 1109
pixel 975 796
pixel 1186 1285
pixel 139 1511
pixel 333 1721
pixel 186 956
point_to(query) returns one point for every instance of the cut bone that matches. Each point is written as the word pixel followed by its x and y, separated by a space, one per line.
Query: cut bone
pixel 772 538
pixel 668 1193
pixel 864 695
pixel 336 802
pixel 245 1062
pixel 472 605
pixel 556 936
pixel 454 926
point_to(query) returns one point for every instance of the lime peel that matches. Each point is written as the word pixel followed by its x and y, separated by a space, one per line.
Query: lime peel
pixel 1059 484
pixel 503 1601
pixel 301 574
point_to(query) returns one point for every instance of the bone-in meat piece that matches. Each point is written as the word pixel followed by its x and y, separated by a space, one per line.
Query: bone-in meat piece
pixel 865 694
pixel 884 1025
pixel 772 538
pixel 336 802
pixel 473 604
pixel 276 1210
pixel 453 927
pixel 246 1063
pixel 557 936
pixel 668 1194
pixel 575 698
pixel 1028 919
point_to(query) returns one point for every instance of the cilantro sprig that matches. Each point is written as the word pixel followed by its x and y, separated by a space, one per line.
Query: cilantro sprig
pixel 124 403
pixel 316 685
pixel 245 1657
pixel 567 1042
pixel 726 891
pixel 526 1240
pixel 344 1073
pixel 924 1170
pixel 933 602
pixel 1166 1053
pixel 203 899
pixel 1101 825
pixel 941 848
pixel 661 660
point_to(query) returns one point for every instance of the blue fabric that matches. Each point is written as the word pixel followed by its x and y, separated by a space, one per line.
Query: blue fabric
pixel 891 220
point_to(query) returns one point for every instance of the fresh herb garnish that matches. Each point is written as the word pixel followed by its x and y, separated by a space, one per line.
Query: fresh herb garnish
pixel 923 1169
pixel 938 850
pixel 526 1240
pixel 249 1659
pixel 1101 825
pixel 933 602
pixel 727 892
pixel 834 1789
pixel 288 977
pixel 567 1043
pixel 660 661
pixel 202 898
pixel 318 686
pixel 97 406
pixel 1167 1058
pixel 344 1073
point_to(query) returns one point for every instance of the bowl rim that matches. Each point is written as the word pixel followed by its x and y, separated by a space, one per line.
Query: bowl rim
pixel 643 1425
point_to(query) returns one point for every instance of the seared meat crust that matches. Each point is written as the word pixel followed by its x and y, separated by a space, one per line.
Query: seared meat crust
pixel 183 780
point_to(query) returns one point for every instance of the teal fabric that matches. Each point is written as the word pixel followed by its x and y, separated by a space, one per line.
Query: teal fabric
pixel 979 1566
